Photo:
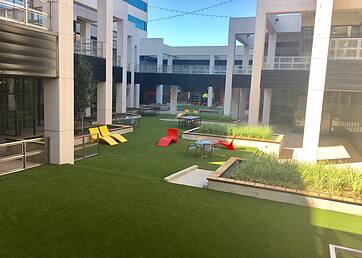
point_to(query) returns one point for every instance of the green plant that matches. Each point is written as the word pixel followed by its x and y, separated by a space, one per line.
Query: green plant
pixel 319 177
pixel 84 87
pixel 243 131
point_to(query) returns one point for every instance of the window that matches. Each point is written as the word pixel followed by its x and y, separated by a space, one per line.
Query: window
pixel 140 24
pixel 138 4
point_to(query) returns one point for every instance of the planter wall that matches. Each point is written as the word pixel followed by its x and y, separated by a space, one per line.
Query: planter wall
pixel 282 194
pixel 273 147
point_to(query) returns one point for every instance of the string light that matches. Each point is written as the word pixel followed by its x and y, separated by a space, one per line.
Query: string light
pixel 197 12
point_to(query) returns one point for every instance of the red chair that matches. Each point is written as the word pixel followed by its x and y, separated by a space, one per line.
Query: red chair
pixel 171 136
pixel 229 145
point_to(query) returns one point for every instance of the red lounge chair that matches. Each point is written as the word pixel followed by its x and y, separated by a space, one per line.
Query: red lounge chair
pixel 171 136
pixel 229 145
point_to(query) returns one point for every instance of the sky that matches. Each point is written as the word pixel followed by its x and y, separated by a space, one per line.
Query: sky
pixel 192 30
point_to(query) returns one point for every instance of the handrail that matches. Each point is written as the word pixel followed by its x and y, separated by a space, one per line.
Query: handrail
pixel 25 14
pixel 85 143
pixel 26 151
pixel 88 47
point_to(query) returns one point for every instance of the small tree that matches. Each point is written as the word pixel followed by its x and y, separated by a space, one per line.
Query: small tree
pixel 84 87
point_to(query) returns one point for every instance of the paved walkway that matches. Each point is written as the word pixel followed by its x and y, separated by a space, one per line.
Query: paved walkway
pixel 191 177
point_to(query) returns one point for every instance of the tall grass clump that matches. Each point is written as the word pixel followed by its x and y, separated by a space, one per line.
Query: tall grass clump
pixel 242 131
pixel 319 177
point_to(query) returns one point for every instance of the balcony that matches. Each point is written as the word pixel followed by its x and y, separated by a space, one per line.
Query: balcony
pixel 340 49
pixel 88 47
pixel 21 13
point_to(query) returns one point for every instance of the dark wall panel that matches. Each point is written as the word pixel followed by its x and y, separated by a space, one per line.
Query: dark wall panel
pixel 190 80
pixel 27 52
pixel 344 75
pixel 117 74
pixel 98 64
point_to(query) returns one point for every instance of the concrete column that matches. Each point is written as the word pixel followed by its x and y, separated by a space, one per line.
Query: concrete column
pixel 173 100
pixel 121 102
pixel 159 94
pixel 242 104
pixel 160 63
pixel 258 58
pixel 105 35
pixel 210 96
pixel 235 99
pixel 212 64
pixel 246 58
pixel 267 106
pixel 137 95
pixel 59 92
pixel 85 30
pixel 317 79
pixel 229 73
pixel 132 60
pixel 272 45
pixel 169 64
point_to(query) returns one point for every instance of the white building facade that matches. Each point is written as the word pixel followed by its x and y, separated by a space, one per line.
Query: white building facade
pixel 52 36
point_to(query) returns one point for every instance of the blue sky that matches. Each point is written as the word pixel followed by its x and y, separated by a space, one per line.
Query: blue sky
pixel 196 30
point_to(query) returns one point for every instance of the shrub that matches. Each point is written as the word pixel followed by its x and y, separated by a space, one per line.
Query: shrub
pixel 319 177
pixel 252 132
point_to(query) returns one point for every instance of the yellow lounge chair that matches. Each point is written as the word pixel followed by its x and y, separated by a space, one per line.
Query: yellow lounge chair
pixel 95 135
pixel 106 133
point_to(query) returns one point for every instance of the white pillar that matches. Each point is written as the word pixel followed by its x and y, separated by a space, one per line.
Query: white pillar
pixel 210 96
pixel 132 60
pixel 85 30
pixel 137 95
pixel 160 63
pixel 246 58
pixel 121 103
pixel 159 94
pixel 173 100
pixel 258 58
pixel 317 79
pixel 235 103
pixel 272 44
pixel 229 73
pixel 169 64
pixel 105 35
pixel 59 93
pixel 212 64
pixel 267 106
pixel 242 104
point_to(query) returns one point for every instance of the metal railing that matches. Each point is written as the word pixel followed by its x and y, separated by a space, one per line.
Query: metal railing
pixel 190 69
pixel 85 147
pixel 88 47
pixel 288 63
pixel 24 154
pixel 22 13
pixel 345 49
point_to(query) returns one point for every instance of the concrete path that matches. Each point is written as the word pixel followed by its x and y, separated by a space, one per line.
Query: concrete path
pixel 192 176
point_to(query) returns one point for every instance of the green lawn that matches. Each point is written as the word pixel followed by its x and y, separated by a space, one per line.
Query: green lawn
pixel 116 205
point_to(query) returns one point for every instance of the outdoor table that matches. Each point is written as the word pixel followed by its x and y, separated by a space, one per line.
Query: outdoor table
pixel 189 121
pixel 204 145
pixel 148 111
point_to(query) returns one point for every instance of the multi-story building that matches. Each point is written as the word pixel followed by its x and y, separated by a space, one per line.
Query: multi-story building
pixel 40 40
pixel 298 62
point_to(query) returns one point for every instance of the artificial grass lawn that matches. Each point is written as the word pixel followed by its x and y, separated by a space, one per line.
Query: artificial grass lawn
pixel 116 205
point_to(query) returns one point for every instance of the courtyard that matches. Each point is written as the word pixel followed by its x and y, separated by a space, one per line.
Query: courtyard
pixel 117 205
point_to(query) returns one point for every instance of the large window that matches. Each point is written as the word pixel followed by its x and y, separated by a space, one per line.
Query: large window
pixel 138 4
pixel 140 24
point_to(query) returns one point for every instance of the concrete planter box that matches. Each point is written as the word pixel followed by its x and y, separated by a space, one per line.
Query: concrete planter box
pixel 220 180
pixel 120 129
pixel 273 146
